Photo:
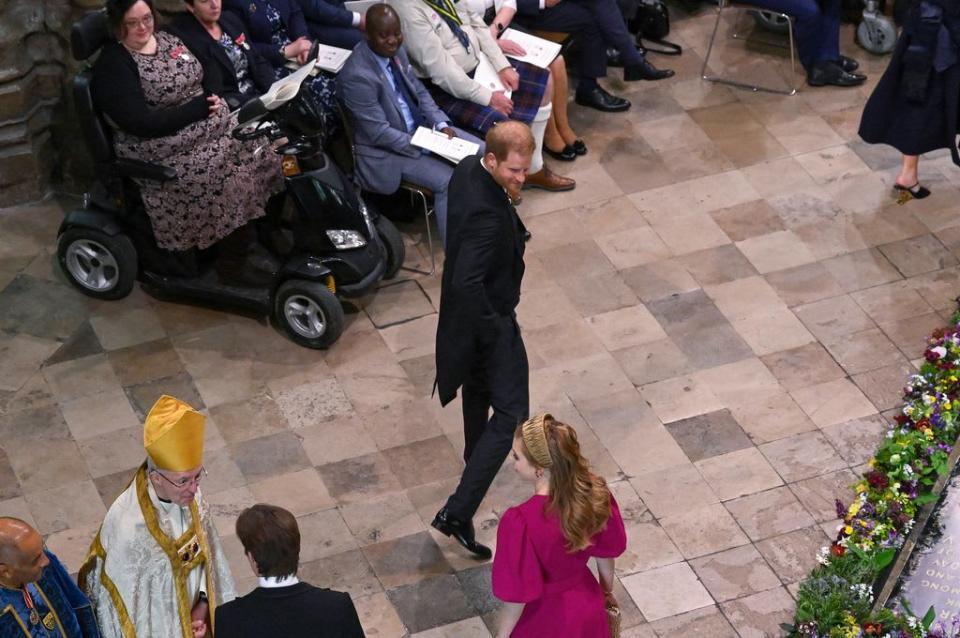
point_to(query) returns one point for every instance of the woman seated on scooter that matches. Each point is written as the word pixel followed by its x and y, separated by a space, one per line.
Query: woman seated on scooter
pixel 232 68
pixel 149 87
pixel 277 30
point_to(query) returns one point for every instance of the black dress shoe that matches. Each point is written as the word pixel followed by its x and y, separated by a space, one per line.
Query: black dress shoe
pixel 527 235
pixel 848 64
pixel 565 154
pixel 461 532
pixel 597 98
pixel 579 147
pixel 824 73
pixel 643 70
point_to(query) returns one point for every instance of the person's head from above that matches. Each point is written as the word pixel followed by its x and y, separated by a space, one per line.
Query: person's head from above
pixel 207 12
pixel 510 147
pixel 547 452
pixel 271 540
pixel 22 559
pixel 384 35
pixel 173 439
pixel 132 21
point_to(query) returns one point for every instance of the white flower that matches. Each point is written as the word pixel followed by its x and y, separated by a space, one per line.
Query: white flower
pixel 823 556
pixel 907 470
pixel 940 351
pixel 895 458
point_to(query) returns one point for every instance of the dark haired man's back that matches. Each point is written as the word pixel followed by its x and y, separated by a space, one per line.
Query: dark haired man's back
pixel 289 611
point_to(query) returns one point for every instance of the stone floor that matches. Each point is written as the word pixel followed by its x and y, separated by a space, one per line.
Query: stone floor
pixel 726 308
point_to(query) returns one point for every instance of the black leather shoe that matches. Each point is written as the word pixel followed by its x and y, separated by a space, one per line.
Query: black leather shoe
pixel 825 73
pixel 643 70
pixel 462 532
pixel 848 64
pixel 579 147
pixel 527 235
pixel 597 98
pixel 565 154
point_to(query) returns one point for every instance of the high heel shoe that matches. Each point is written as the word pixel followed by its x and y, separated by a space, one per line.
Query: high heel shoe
pixel 904 194
pixel 567 154
pixel 579 147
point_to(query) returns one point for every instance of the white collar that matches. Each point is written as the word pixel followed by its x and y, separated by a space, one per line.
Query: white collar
pixel 273 582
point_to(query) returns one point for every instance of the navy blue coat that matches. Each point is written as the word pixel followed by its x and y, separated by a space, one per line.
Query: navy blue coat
pixel 330 12
pixel 252 14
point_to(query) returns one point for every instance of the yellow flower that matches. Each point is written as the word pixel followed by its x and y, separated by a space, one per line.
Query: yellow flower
pixel 848 530
pixel 948 405
pixel 928 432
pixel 860 488
pixel 854 508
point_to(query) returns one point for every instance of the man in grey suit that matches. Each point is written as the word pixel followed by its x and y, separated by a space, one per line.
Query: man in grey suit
pixel 386 103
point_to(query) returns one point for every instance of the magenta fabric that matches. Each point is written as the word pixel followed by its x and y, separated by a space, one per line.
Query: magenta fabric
pixel 532 566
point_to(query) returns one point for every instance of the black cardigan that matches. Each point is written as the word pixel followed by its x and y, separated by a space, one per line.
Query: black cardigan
pixel 118 94
pixel 220 77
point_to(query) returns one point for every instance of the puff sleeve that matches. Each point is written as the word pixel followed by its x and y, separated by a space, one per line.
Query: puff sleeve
pixel 611 541
pixel 517 576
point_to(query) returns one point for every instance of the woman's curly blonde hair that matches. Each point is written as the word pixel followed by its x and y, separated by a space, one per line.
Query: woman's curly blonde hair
pixel 580 498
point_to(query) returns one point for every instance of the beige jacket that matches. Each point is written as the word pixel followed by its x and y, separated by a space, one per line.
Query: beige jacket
pixel 436 53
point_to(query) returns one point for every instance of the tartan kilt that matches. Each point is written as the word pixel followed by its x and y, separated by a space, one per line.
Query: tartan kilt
pixel 481 117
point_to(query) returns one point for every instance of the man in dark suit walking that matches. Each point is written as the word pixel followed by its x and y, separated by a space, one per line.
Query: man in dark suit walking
pixel 479 347
pixel 282 605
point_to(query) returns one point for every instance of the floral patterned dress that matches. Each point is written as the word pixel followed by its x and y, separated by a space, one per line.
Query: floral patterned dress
pixel 322 86
pixel 222 182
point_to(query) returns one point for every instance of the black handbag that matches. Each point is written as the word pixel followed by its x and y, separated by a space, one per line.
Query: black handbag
pixel 652 23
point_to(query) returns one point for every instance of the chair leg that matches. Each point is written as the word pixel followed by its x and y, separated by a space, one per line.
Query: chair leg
pixel 713 37
pixel 793 59
pixel 426 219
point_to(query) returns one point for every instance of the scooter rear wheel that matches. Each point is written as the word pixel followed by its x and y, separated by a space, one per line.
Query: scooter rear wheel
pixel 308 313
pixel 100 265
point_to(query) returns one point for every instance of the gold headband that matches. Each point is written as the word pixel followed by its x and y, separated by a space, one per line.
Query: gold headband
pixel 534 434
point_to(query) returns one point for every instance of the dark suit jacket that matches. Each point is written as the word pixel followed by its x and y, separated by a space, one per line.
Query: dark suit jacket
pixel 380 133
pixel 481 275
pixel 254 18
pixel 300 610
pixel 219 75
pixel 329 12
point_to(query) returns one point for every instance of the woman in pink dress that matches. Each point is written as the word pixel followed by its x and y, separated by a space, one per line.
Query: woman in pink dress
pixel 544 545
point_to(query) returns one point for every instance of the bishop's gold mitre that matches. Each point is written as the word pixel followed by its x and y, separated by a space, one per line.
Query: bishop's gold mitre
pixel 173 435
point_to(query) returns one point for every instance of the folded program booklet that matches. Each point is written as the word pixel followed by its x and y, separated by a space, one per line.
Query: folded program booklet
pixel 328 58
pixel 539 52
pixel 452 149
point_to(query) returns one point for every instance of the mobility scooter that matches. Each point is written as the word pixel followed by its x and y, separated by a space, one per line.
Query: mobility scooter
pixel 323 239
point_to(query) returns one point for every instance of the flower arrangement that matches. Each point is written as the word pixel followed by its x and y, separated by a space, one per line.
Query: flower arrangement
pixel 836 600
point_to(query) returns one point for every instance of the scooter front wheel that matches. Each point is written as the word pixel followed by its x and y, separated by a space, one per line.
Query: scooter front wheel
pixel 100 265
pixel 308 313
pixel 393 243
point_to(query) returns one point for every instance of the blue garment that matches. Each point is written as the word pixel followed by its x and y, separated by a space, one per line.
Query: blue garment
pixel 406 102
pixel 816 26
pixel 64 612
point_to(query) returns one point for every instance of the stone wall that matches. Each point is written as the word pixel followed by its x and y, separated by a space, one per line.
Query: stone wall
pixel 40 145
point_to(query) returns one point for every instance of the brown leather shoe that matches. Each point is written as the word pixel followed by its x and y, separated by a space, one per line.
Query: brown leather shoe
pixel 547 180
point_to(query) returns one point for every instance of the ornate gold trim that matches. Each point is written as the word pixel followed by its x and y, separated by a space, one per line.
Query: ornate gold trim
pixel 171 548
pixel 16 616
pixel 52 610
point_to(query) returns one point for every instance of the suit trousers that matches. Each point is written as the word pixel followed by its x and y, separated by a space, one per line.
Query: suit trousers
pixel 598 24
pixel 817 29
pixel 343 37
pixel 434 173
pixel 501 381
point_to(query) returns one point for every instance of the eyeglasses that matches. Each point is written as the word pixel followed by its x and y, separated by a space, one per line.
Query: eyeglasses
pixel 146 21
pixel 184 482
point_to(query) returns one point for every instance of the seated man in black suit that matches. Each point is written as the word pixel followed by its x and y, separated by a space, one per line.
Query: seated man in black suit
pixel 282 605
pixel 332 23
pixel 598 24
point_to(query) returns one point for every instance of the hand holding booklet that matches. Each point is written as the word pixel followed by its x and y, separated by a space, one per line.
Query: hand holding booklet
pixel 486 75
pixel 539 52
pixel 328 58
pixel 452 149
